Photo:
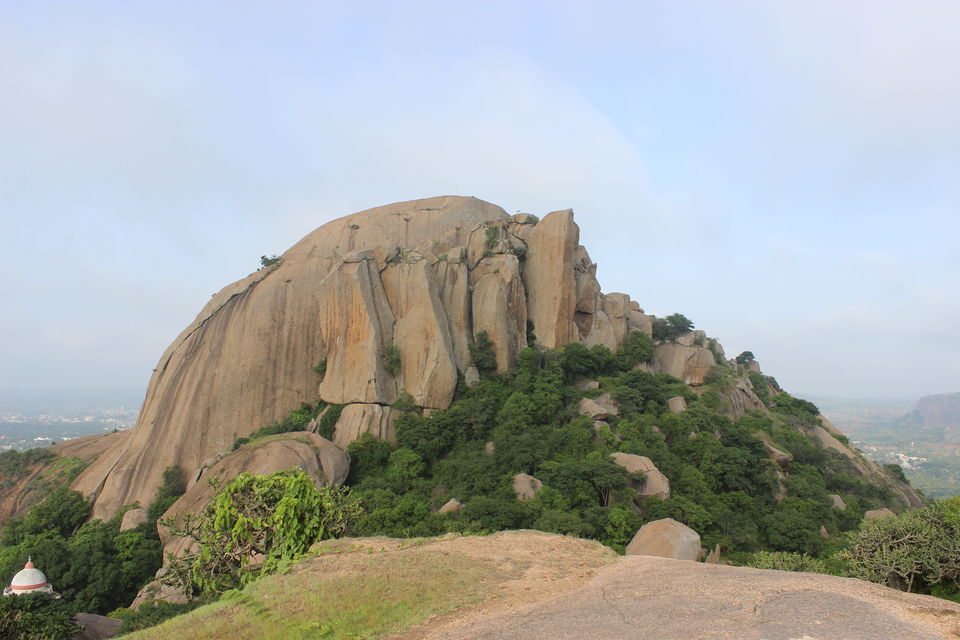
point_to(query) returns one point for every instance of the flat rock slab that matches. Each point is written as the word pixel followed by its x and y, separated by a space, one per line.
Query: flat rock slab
pixel 663 599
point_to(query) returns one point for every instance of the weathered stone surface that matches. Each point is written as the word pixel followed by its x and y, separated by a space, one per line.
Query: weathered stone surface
pixel 453 287
pixel 838 502
pixel 823 532
pixel 357 419
pixel 654 483
pixel 585 280
pixel 616 306
pixel 525 218
pixel 318 457
pixel 873 514
pixel 742 398
pixel 587 385
pixel 549 276
pixel 782 459
pixel 639 321
pixel 677 404
pixel 689 364
pixel 489 448
pixel 471 377
pixel 96 627
pixel 450 506
pixel 87 448
pixel 156 590
pixel 421 333
pixel 596 329
pixel 499 306
pixel 665 538
pixel 354 297
pixel 247 359
pixel 599 408
pixel 133 518
pixel 526 486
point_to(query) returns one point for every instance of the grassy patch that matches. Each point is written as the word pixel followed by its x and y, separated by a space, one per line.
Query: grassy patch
pixel 341 596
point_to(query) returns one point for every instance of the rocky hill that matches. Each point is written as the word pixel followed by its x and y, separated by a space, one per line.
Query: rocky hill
pixel 936 417
pixel 387 303
pixel 461 370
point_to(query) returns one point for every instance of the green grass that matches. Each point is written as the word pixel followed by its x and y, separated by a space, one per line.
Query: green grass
pixel 345 595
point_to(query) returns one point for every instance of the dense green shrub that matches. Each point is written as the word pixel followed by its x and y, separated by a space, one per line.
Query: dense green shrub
pixel 482 352
pixel 276 517
pixel 913 551
pixel 671 327
pixel 637 347
pixel 783 561
pixel 171 488
pixel 14 465
pixel 36 617
pixel 391 360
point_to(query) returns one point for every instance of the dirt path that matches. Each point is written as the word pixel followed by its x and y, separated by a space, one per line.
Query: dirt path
pixel 644 597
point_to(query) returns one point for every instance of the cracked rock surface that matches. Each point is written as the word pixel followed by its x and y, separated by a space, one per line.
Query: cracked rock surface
pixel 641 597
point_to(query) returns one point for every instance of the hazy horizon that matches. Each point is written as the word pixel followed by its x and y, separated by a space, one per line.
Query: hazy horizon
pixel 784 174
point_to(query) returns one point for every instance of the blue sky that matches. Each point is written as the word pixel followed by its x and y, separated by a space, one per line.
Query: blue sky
pixel 785 174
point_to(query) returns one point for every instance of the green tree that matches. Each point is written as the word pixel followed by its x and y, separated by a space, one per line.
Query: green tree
pixel 36 617
pixel 482 352
pixel 276 517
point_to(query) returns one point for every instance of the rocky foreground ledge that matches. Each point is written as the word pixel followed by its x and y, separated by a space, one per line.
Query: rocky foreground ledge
pixel 529 585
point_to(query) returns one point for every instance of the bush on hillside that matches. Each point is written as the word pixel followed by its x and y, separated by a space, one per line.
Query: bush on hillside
pixel 276 517
pixel 914 551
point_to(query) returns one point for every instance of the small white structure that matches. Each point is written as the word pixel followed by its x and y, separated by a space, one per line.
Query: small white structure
pixel 30 580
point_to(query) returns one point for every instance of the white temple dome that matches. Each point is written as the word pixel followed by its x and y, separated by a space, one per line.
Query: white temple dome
pixel 28 580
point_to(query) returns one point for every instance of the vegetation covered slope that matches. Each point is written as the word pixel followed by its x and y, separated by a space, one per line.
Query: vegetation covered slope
pixel 724 482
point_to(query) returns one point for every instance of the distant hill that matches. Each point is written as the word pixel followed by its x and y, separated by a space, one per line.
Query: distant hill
pixel 937 416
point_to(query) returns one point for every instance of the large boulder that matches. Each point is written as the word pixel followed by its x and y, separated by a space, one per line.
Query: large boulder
pixel 525 486
pixel 873 514
pixel 689 363
pixel 654 483
pixel 677 404
pixel 666 538
pixel 837 502
pixel 599 408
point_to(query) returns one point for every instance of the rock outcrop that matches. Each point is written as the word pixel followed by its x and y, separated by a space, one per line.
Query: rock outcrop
pixel 666 538
pixel 599 408
pixel 688 362
pixel 654 483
